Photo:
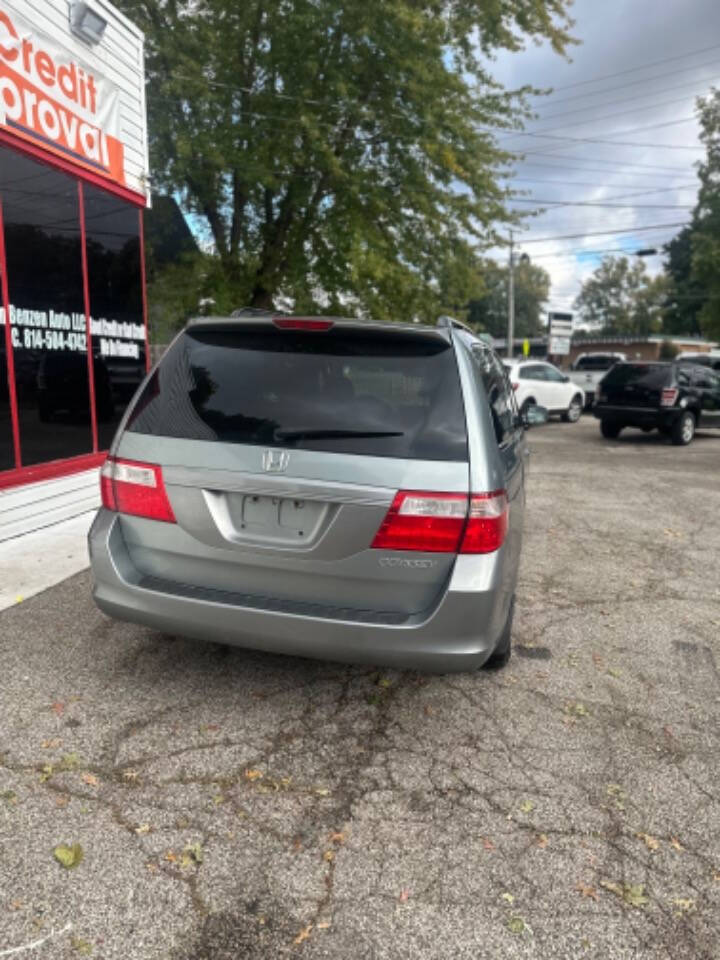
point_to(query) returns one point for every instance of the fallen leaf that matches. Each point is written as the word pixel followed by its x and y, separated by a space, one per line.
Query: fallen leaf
pixel 428 710
pixel 81 946
pixel 527 806
pixel 58 708
pixel 209 727
pixel 131 775
pixel 69 761
pixel 507 897
pixel 329 856
pixel 171 856
pixel 652 843
pixel 542 840
pixel 577 710
pixel 323 925
pixel 51 744
pixel 303 935
pixel 62 800
pixel 586 891
pixel 614 673
pixel 384 682
pixel 516 925
pixel 597 659
pixel 143 828
pixel 675 843
pixel 68 857
pixel 194 852
pixel 322 792
pixel 9 796
pixel 404 894
pixel 253 775
pixel 684 905
pixel 633 894
pixel 16 904
pixel 488 844
pixel 90 779
pixel 337 837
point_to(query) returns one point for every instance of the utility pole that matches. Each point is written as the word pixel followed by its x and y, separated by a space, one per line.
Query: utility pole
pixel 511 301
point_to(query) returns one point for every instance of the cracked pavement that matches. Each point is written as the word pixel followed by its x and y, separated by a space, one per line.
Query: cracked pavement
pixel 233 806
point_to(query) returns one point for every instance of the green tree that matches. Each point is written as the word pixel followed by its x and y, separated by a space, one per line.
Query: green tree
pixel 705 271
pixel 338 151
pixel 489 312
pixel 686 294
pixel 621 298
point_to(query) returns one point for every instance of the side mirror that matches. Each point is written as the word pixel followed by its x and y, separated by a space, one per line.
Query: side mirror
pixel 566 379
pixel 535 416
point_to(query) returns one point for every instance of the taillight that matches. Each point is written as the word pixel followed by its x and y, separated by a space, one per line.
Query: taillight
pixel 515 386
pixel 303 323
pixel 444 522
pixel 136 489
pixel 669 396
pixel 487 523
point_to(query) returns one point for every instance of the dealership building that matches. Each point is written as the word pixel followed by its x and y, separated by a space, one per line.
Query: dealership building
pixel 73 187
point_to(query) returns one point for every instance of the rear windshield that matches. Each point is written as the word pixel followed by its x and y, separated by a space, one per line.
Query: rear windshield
pixel 599 362
pixel 382 394
pixel 648 375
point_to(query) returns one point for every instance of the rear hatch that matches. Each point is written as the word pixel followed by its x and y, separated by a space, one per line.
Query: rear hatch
pixel 282 446
pixel 635 384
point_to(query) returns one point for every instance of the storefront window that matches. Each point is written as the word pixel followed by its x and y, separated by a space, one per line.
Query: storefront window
pixel 43 245
pixel 45 287
pixel 112 230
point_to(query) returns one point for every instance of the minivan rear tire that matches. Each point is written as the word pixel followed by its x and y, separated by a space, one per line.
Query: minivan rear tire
pixel 683 430
pixel 501 654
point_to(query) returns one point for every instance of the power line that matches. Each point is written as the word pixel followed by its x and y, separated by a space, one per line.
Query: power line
pixel 606 116
pixel 600 203
pixel 552 101
pixel 604 233
pixel 616 163
pixel 586 183
pixel 646 66
pixel 620 133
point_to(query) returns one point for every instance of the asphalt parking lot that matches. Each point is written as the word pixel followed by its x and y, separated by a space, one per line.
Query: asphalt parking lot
pixel 232 805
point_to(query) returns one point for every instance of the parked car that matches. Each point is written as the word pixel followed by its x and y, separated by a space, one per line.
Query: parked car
pixel 670 397
pixel 536 382
pixel 589 369
pixel 323 487
pixel 711 360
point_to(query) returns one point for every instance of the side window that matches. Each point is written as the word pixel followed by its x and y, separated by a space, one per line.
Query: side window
pixel 531 372
pixel 498 390
pixel 683 376
pixel 551 374
pixel 705 379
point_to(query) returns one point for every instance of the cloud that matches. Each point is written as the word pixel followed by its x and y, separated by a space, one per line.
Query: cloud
pixel 602 96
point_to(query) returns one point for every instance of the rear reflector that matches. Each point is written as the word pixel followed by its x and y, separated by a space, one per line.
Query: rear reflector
pixel 136 489
pixel 444 522
pixel 302 323
pixel 515 385
pixel 669 396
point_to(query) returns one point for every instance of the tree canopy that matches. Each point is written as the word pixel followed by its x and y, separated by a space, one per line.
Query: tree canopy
pixel 338 153
pixel 621 298
pixel 489 312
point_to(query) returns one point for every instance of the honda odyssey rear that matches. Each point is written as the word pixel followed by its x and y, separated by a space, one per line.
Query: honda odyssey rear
pixel 327 488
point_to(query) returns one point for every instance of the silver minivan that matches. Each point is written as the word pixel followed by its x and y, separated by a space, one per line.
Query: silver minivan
pixel 324 487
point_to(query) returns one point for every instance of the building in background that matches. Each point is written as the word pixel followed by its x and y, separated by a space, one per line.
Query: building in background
pixel 73 186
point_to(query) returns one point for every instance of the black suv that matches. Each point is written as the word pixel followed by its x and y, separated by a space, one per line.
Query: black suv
pixel 669 397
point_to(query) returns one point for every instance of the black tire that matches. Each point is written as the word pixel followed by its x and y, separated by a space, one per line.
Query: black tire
pixel 647 429
pixel 574 411
pixel 530 402
pixel 683 430
pixel 501 654
pixel 609 429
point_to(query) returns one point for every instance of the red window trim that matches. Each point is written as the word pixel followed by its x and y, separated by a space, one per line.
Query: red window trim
pixel 50 470
pixel 9 351
pixel 52 160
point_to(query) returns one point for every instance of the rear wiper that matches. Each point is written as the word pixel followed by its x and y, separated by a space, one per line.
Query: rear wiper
pixel 324 434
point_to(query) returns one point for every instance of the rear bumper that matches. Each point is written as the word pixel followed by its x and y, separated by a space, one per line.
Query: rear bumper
pixel 458 635
pixel 638 416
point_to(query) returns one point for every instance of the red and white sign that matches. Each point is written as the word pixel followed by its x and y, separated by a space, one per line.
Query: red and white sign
pixel 51 99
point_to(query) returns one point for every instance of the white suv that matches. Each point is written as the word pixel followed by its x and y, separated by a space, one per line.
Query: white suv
pixel 537 382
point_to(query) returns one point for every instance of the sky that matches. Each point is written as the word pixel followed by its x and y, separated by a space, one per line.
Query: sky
pixel 633 79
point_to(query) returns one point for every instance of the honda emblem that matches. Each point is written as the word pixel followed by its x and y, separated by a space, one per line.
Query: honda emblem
pixel 275 461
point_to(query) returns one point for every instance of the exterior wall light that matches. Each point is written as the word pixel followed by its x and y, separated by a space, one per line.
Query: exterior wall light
pixel 86 23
